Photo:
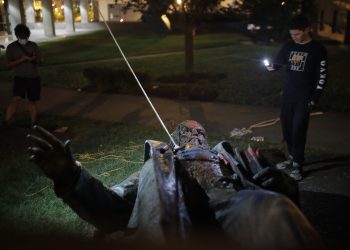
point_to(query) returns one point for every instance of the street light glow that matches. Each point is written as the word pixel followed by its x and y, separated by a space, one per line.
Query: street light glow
pixel 179 2
pixel 166 21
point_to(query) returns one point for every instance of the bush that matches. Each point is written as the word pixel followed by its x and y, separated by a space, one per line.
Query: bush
pixel 112 81
pixel 201 91
pixel 194 77
pixel 198 86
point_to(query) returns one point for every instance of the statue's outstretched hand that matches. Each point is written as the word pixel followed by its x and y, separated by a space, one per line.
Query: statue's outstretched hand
pixel 53 156
pixel 276 180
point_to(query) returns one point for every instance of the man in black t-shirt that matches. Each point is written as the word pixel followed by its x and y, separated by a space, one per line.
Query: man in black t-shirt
pixel 306 73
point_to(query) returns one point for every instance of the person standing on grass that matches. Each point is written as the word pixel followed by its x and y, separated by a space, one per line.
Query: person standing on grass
pixel 23 56
pixel 306 74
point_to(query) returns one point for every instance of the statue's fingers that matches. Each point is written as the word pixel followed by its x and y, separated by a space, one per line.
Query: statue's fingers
pixel 34 158
pixel 263 174
pixel 40 142
pixel 269 183
pixel 36 154
pixel 53 140
pixel 68 150
pixel 36 151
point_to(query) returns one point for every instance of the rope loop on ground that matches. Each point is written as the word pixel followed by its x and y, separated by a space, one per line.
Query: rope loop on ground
pixel 239 132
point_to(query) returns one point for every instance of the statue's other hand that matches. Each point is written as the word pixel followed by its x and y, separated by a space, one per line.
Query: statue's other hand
pixel 276 180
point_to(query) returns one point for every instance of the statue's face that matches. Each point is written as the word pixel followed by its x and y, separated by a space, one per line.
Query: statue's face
pixel 190 134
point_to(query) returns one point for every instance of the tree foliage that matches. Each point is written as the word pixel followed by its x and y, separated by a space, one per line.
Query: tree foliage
pixel 187 12
pixel 345 4
pixel 193 9
pixel 278 13
pixel 274 13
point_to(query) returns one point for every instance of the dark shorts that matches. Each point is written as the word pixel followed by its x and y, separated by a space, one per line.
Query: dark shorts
pixel 30 87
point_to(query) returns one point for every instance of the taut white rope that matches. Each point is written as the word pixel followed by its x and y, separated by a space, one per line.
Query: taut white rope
pixel 133 73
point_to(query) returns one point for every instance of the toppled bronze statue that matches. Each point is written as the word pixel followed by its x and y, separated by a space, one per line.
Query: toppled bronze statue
pixel 184 193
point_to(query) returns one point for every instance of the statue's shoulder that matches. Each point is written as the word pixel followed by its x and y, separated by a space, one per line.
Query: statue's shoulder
pixel 154 147
pixel 223 146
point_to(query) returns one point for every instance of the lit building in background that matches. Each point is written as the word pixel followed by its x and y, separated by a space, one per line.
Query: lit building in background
pixel 2 17
pixel 46 13
pixel 58 10
pixel 333 16
pixel 113 11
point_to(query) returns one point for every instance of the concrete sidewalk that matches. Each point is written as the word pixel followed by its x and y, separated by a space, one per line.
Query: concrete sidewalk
pixel 326 131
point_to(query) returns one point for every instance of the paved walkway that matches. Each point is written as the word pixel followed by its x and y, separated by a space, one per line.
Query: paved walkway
pixel 327 131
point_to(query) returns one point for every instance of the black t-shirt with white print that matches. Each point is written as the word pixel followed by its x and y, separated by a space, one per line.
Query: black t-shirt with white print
pixel 306 66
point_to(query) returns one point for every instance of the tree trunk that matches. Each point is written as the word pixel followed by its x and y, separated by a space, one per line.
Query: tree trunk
pixel 322 20
pixel 347 30
pixel 189 61
pixel 335 22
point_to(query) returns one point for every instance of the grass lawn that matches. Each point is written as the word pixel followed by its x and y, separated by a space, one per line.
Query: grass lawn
pixel 28 204
pixel 243 79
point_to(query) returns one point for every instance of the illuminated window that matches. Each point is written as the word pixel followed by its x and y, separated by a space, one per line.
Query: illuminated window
pixel 58 10
pixel 38 14
pixel 91 11
pixel 2 17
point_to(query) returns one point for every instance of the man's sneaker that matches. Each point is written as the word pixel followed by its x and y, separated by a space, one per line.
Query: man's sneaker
pixel 297 172
pixel 285 164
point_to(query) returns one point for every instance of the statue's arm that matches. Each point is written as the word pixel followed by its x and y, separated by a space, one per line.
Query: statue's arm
pixel 97 204
pixel 86 195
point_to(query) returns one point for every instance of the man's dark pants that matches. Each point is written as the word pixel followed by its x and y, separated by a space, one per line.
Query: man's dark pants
pixel 294 122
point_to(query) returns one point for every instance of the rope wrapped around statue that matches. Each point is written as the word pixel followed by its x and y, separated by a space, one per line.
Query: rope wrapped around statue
pixel 184 193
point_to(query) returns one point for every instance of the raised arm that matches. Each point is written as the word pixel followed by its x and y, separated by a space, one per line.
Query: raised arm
pixel 87 196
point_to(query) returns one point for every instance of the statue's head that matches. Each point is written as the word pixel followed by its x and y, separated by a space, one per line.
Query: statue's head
pixel 190 134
